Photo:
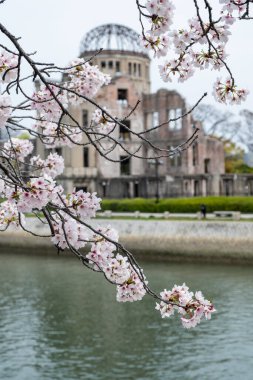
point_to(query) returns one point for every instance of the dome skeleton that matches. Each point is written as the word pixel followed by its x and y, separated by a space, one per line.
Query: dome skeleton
pixel 112 37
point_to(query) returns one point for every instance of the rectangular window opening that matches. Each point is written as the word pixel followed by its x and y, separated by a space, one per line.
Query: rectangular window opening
pixel 136 189
pixel 207 165
pixel 122 96
pixel 129 68
pixel 117 66
pixel 85 118
pixel 176 159
pixel 124 165
pixel 196 190
pixel 175 114
pixel 155 119
pixel 84 188
pixel 86 157
pixel 195 157
pixel 135 69
pixel 124 132
pixel 58 151
pixel 139 69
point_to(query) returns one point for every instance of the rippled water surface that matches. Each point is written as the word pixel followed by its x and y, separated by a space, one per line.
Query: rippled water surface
pixel 59 321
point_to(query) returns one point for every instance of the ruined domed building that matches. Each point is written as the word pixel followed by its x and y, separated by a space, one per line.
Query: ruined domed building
pixel 197 171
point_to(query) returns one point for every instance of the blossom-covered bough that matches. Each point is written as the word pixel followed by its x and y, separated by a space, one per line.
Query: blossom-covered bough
pixel 27 182
pixel 200 46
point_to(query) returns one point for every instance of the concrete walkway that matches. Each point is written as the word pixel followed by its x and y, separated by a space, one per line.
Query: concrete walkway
pixel 164 215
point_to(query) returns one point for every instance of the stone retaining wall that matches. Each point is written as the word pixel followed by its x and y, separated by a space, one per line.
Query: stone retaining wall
pixel 159 240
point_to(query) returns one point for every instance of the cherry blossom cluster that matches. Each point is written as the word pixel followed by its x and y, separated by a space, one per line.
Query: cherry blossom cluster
pixel 17 149
pixel 182 38
pixel 117 269
pixel 192 307
pixel 49 102
pixel 181 68
pixel 228 92
pixel 52 166
pixel 9 216
pixel 188 44
pixel 102 249
pixel 5 109
pixel 160 17
pixel 233 6
pixel 8 66
pixel 54 135
pixel 199 46
pixel 68 232
pixel 82 204
pixel 101 122
pixel 205 59
pixel 85 80
pixel 159 44
pixel 36 194
pixel 133 289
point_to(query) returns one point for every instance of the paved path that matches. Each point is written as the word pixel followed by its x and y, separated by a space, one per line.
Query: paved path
pixel 165 215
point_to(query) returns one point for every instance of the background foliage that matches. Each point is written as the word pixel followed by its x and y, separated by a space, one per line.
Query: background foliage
pixel 180 205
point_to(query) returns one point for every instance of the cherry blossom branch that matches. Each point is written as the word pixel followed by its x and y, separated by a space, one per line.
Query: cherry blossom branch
pixel 28 185
pixel 190 44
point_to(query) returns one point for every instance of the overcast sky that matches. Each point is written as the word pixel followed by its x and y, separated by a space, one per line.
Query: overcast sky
pixel 54 28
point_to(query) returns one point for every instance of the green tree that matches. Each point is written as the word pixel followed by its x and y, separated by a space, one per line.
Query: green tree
pixel 234 158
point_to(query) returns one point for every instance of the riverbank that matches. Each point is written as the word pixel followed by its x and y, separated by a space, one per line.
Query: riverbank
pixel 216 241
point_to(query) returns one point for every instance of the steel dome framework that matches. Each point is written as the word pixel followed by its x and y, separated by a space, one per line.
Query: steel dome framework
pixel 112 37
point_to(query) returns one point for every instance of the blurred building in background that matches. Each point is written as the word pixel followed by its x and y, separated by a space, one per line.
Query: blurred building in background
pixel 198 170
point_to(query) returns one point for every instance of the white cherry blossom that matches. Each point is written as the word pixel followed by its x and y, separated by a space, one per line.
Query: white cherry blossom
pixel 101 122
pixel 131 290
pixel 53 165
pixel 228 92
pixel 49 102
pixel 54 136
pixel 192 308
pixel 68 232
pixel 85 80
pixel 9 215
pixel 8 66
pixel 17 149
pixel 5 109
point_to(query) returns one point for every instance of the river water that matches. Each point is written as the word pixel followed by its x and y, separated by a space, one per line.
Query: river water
pixel 60 321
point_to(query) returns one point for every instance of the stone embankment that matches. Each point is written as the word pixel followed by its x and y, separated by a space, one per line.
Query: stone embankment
pixel 218 241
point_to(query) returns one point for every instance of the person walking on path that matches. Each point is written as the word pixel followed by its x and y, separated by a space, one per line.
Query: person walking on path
pixel 203 211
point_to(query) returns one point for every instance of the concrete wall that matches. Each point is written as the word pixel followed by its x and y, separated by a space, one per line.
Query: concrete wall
pixel 158 240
